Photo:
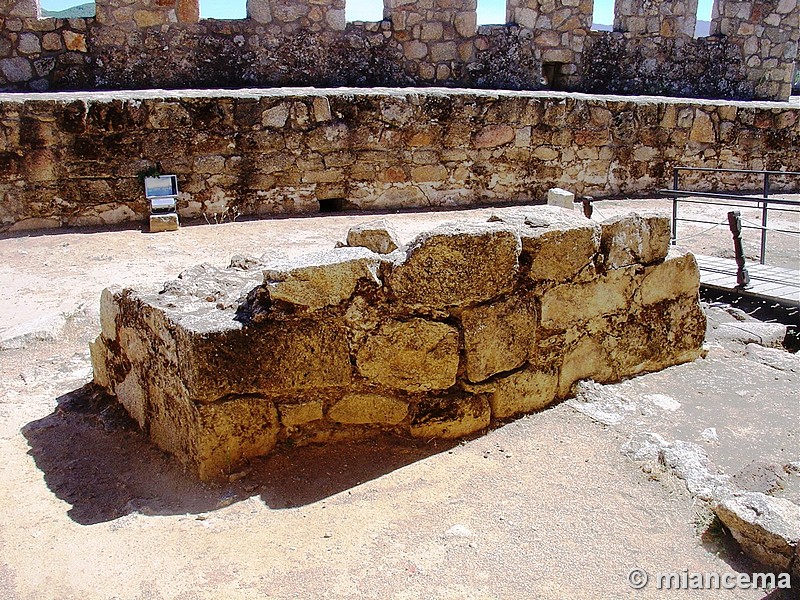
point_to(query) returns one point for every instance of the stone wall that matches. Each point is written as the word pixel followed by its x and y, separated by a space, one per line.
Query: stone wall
pixel 143 44
pixel 78 159
pixel 472 323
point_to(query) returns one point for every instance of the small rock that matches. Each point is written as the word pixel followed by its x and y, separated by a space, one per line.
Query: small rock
pixel 378 236
pixel 458 531
pixel 709 434
pixel 559 197
pixel 775 358
pixel 769 335
pixel 664 402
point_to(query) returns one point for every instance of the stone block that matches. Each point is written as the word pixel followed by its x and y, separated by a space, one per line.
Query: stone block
pixel 586 359
pixel 76 42
pixel 767 528
pixel 450 417
pixel 557 243
pixel 17 69
pixel 377 236
pixel 677 276
pixel 322 279
pixel 498 337
pixel 570 303
pixel 368 409
pixel 164 222
pixel 415 355
pixel 561 198
pixel 210 347
pixel 492 136
pixel 465 24
pixel 294 415
pixel 655 337
pixel 523 392
pixel 227 433
pixel 635 238
pixel 457 265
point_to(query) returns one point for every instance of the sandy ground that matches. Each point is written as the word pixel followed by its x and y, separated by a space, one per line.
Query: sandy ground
pixel 543 507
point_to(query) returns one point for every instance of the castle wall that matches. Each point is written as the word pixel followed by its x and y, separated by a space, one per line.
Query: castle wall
pixel 143 44
pixel 77 158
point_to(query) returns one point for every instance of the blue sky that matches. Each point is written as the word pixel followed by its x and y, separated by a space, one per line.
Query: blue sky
pixel 489 11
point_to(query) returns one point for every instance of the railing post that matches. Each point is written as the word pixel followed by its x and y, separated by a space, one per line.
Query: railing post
pixel 735 222
pixel 674 207
pixel 764 221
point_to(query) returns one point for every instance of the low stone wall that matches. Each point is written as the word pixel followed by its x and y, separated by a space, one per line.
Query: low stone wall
pixel 77 159
pixel 472 323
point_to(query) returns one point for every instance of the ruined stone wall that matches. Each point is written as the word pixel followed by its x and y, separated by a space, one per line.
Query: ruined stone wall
pixel 664 18
pixel 653 51
pixel 472 323
pixel 768 31
pixel 78 159
pixel 142 44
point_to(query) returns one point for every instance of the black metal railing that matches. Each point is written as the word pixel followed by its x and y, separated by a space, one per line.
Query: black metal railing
pixel 764 202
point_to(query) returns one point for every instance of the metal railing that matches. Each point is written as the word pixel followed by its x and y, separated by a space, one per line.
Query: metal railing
pixel 764 202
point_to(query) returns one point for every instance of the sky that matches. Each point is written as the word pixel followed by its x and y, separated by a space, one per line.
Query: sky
pixel 489 11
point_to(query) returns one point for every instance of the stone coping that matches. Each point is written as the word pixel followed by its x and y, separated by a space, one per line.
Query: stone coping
pixel 290 92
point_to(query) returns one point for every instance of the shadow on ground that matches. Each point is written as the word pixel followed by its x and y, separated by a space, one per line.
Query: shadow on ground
pixel 94 457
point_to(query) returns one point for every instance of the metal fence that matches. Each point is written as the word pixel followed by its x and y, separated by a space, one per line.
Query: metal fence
pixel 764 202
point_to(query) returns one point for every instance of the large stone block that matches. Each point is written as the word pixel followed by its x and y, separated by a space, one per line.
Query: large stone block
pixel 523 392
pixel 322 279
pixel 498 337
pixel 450 417
pixel 656 336
pixel 641 238
pixel 293 355
pixel 678 275
pixel 229 432
pixel 414 355
pixel 457 265
pixel 570 303
pixel 767 528
pixel 368 409
pixel 651 338
pixel 557 243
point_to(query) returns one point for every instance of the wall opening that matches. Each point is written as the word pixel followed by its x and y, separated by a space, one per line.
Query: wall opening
pixel 364 10
pixel 491 12
pixel 553 75
pixel 329 205
pixel 66 9
pixel 603 15
pixel 223 9
pixel 703 26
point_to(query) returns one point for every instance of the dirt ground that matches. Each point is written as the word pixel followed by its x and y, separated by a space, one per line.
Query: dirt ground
pixel 546 506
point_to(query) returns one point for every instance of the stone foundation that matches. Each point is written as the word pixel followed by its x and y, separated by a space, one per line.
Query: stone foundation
pixel 472 323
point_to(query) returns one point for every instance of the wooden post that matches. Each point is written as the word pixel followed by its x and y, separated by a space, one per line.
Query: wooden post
pixel 735 223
